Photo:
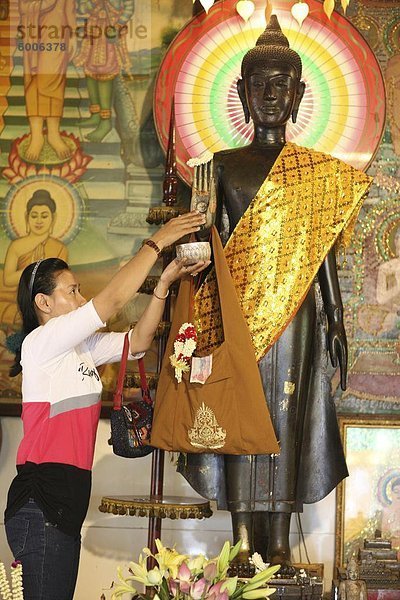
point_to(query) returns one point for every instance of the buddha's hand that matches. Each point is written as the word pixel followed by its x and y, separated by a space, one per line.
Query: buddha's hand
pixel 177 228
pixel 177 269
pixel 337 344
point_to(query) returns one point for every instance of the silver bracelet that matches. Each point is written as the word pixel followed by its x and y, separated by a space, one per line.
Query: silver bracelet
pixel 160 297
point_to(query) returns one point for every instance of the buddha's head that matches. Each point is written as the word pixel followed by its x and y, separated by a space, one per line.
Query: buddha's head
pixel 352 568
pixel 40 213
pixel 270 87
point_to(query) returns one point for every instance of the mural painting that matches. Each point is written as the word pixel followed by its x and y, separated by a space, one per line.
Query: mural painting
pixel 80 161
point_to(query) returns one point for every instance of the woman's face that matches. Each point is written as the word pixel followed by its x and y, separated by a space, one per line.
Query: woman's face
pixel 66 296
pixel 40 219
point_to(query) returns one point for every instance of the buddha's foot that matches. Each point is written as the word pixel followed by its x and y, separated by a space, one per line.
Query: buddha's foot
pixel 241 566
pixel 59 146
pixel 101 131
pixel 281 556
pixel 92 121
pixel 35 147
pixel 287 569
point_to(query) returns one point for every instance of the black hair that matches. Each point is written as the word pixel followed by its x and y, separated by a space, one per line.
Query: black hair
pixel 395 482
pixel 44 282
pixel 41 198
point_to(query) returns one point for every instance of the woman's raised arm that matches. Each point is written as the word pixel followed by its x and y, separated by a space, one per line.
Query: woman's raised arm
pixel 128 280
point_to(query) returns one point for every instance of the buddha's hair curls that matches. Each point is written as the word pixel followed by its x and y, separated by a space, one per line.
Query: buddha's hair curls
pixel 272 45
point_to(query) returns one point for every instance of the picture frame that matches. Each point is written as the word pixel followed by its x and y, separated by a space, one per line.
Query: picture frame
pixel 368 500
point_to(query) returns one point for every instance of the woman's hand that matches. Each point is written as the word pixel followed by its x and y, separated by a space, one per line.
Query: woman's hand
pixel 177 228
pixel 177 269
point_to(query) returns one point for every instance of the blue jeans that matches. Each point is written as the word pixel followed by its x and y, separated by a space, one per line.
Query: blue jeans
pixel 49 557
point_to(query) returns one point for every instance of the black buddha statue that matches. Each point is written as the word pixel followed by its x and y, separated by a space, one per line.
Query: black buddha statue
pixel 254 188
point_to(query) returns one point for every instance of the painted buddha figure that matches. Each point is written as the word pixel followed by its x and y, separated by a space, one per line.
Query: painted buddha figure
pixel 52 25
pixel 281 233
pixel 38 243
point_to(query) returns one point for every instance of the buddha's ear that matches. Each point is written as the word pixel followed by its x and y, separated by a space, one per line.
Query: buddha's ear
pixel 241 88
pixel 299 96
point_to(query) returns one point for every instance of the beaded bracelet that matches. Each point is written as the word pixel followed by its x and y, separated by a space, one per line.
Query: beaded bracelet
pixel 154 246
pixel 160 297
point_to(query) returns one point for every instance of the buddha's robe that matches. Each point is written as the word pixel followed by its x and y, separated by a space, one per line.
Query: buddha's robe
pixel 45 36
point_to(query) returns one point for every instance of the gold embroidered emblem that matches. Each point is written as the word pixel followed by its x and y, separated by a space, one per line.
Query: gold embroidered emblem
pixel 289 387
pixel 284 404
pixel 206 432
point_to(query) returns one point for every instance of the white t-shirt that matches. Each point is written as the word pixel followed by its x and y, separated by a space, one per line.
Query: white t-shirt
pixel 61 387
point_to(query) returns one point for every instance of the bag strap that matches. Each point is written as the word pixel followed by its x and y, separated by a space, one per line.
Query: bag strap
pixel 117 398
pixel 233 321
pixel 143 382
pixel 118 394
pixel 234 324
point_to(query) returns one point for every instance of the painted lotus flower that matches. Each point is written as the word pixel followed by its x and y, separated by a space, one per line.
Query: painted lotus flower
pixel 71 170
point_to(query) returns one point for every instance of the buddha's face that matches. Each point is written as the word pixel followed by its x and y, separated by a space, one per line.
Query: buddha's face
pixel 271 92
pixel 40 219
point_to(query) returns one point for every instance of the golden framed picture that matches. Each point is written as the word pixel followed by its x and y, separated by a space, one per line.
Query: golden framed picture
pixel 369 499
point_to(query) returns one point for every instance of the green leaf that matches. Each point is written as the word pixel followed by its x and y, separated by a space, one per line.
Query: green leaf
pixel 223 558
pixel 164 592
pixel 235 550
pixel 260 593
pixel 229 585
pixel 263 576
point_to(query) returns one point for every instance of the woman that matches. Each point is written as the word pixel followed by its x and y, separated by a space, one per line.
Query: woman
pixel 61 388
pixel 36 244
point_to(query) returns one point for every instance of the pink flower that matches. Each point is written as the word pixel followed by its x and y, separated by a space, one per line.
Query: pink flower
pixel 199 588
pixel 223 596
pixel 214 593
pixel 183 580
pixel 184 573
pixel 210 571
pixel 173 587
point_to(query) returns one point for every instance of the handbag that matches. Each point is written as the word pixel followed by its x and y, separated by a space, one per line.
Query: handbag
pixel 131 423
pixel 228 414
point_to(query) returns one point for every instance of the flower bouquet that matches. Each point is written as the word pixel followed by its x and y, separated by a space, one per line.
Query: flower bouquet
pixel 181 577
pixel 184 345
